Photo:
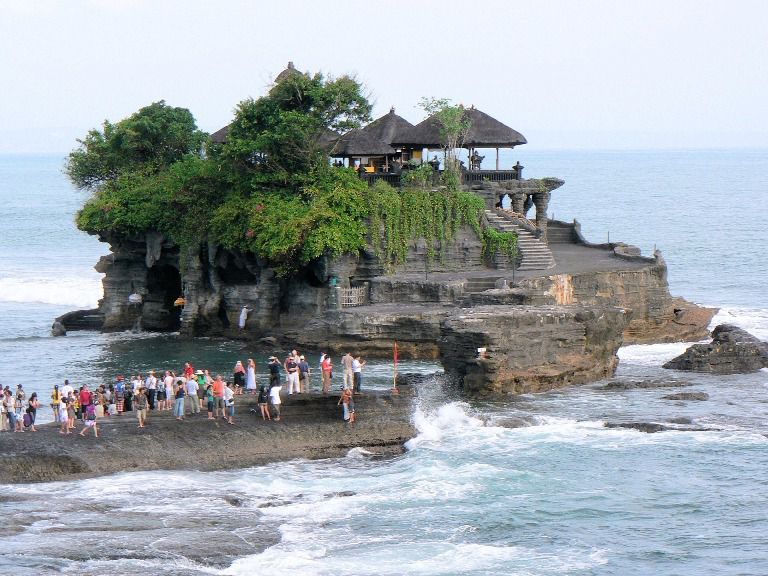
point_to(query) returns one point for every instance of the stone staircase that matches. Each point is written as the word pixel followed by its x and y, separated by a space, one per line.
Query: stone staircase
pixel 535 254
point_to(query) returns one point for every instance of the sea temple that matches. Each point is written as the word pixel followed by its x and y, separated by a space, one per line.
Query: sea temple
pixel 458 258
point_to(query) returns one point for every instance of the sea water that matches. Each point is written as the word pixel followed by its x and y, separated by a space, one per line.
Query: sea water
pixel 558 493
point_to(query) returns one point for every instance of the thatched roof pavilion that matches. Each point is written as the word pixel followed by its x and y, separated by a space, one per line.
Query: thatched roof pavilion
pixel 389 128
pixel 358 143
pixel 484 132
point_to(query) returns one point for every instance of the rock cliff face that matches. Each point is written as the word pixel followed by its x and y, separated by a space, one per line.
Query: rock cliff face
pixel 544 330
pixel 531 348
pixel 732 351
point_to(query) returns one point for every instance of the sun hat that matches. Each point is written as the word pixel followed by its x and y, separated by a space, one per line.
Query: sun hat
pixel 199 372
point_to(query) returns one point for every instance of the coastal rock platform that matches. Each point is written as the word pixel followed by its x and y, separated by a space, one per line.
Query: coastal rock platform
pixel 311 428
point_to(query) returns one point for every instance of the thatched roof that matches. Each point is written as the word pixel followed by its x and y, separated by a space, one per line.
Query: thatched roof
pixel 220 136
pixel 389 128
pixel 484 132
pixel 360 143
pixel 289 71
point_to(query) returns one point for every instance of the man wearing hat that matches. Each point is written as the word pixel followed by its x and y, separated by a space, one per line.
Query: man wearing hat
pixel 151 385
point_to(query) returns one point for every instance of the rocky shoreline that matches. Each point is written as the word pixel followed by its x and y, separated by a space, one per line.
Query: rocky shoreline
pixel 311 428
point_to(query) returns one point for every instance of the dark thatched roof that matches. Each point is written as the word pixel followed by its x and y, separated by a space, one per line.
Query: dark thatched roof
pixel 220 136
pixel 360 143
pixel 289 71
pixel 389 128
pixel 484 132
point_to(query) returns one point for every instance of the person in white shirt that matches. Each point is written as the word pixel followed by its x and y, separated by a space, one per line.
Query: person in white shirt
pixel 229 403
pixel 151 385
pixel 191 388
pixel 168 383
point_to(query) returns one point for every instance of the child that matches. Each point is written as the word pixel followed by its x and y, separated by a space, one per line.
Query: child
pixel 90 421
pixel 349 408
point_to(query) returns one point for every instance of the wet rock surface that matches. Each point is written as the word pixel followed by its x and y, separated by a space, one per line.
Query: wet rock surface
pixel 732 351
pixel 698 396
pixel 311 427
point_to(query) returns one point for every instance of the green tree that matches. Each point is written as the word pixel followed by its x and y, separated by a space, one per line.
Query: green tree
pixel 148 141
pixel 280 138
pixel 454 126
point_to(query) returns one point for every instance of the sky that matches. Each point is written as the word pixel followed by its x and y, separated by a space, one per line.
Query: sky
pixel 597 74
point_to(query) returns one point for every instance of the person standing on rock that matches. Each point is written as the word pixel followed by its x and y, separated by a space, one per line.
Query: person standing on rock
pixel 168 380
pixel 357 371
pixel 55 401
pixel 229 403
pixel 346 362
pixel 192 388
pixel 140 404
pixel 274 398
pixel 151 386
pixel 304 375
pixel 263 402
pixel 250 376
pixel 274 371
pixel 178 399
pixel 218 396
pixel 238 376
pixel 292 370
pixel 120 394
pixel 327 369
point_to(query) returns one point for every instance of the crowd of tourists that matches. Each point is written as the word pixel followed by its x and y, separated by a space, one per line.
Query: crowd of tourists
pixel 189 392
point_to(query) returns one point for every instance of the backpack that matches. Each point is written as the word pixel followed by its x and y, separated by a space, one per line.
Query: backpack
pixel 27 420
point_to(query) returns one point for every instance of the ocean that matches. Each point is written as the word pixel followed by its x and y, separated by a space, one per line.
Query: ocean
pixel 563 495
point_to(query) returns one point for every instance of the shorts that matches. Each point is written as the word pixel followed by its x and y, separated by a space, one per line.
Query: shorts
pixel 230 411
pixel 90 423
pixel 218 402
pixel 210 405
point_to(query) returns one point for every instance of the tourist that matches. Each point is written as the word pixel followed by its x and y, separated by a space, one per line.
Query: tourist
pixel 250 376
pixel 304 375
pixel 128 395
pixel 84 395
pixel 346 362
pixel 71 400
pixel 218 396
pixel 238 376
pixel 109 398
pixel 357 371
pixel 151 386
pixel 168 381
pixel 10 415
pixel 32 411
pixel 140 404
pixel 292 373
pixel 64 414
pixel 229 403
pixel 188 371
pixel 90 421
pixel 55 401
pixel 98 400
pixel 161 395
pixel 274 371
pixel 178 406
pixel 191 389
pixel 209 400
pixel 263 399
pixel 348 408
pixel 120 394
pixel 274 398
pixel 19 407
pixel 202 381
pixel 327 370
pixel 3 412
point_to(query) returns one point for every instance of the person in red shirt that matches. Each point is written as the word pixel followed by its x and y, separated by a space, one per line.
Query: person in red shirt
pixel 85 398
pixel 189 372
pixel 327 369
pixel 218 396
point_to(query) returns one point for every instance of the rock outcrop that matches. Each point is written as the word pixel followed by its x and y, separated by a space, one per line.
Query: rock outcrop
pixel 732 351
pixel 530 349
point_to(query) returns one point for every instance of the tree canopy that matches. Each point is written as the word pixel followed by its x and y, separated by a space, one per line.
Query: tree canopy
pixel 148 141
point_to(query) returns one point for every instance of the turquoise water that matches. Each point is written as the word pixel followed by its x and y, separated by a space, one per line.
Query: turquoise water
pixel 562 495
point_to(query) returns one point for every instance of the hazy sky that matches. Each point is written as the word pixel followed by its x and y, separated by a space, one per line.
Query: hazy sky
pixel 567 74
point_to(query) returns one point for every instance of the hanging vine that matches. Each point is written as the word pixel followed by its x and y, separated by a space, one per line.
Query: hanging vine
pixel 399 218
pixel 504 243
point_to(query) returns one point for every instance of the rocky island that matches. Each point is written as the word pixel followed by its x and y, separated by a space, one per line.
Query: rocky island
pixel 377 246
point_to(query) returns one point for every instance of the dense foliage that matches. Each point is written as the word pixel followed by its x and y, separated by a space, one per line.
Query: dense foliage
pixel 498 242
pixel 268 190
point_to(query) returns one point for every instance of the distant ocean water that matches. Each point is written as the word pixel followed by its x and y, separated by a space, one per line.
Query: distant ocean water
pixel 470 496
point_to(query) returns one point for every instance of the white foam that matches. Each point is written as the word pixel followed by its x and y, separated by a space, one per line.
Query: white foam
pixel 651 354
pixel 76 291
